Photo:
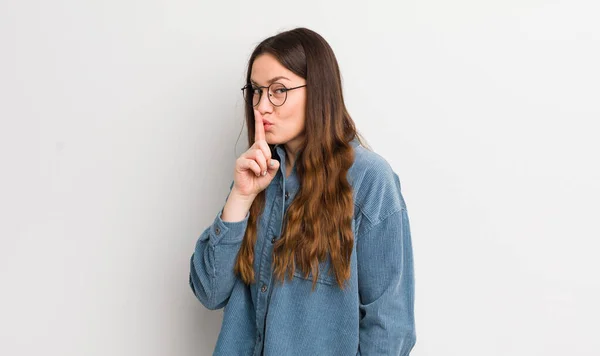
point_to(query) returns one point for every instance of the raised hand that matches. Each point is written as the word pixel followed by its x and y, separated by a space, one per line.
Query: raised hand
pixel 255 169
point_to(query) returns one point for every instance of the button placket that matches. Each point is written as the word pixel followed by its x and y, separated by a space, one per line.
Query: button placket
pixel 265 273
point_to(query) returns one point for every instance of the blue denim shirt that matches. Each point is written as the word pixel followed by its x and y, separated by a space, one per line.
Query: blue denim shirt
pixel 374 315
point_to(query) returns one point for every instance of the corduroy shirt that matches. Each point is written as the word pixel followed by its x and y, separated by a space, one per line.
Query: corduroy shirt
pixel 373 315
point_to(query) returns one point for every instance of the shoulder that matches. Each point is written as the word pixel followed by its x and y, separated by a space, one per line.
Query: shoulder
pixel 376 187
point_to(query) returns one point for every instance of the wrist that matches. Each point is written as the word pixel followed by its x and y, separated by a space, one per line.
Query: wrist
pixel 242 197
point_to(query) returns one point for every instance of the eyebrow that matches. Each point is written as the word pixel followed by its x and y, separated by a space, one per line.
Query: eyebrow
pixel 271 80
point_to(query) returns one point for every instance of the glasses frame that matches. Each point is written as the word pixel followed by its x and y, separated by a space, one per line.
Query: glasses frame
pixel 249 85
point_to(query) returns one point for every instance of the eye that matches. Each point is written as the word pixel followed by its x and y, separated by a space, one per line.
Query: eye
pixel 280 90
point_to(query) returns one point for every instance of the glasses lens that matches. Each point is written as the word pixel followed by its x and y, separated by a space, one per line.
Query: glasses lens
pixel 251 95
pixel 278 94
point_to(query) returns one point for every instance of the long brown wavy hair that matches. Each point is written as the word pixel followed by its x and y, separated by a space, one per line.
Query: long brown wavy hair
pixel 319 220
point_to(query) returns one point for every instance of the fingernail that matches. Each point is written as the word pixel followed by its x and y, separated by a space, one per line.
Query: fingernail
pixel 264 173
pixel 272 163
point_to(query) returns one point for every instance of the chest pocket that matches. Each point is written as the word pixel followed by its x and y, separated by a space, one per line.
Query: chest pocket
pixel 325 267
pixel 324 277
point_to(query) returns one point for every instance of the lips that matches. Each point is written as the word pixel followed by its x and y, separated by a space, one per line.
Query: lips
pixel 265 122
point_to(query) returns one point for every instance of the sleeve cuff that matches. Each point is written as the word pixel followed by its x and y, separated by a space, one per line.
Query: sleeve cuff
pixel 227 232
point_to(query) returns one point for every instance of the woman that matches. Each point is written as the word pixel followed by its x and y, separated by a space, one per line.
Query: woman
pixel 311 253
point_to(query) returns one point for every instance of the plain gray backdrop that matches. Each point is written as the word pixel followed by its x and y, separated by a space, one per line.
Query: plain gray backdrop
pixel 121 122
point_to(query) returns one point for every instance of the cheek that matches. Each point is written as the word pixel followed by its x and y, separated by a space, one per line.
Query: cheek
pixel 293 116
pixel 294 111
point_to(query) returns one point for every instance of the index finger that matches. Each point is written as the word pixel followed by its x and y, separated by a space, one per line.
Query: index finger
pixel 259 129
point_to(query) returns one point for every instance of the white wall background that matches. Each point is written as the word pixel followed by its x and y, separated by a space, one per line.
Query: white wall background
pixel 119 122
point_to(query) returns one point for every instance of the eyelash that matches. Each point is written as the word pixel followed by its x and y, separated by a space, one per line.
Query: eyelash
pixel 255 88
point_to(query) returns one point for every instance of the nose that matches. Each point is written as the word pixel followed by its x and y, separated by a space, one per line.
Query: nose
pixel 264 105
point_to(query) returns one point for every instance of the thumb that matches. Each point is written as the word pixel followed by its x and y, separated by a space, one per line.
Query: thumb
pixel 273 166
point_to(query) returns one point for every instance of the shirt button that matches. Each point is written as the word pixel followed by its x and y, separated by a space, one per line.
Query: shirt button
pixel 263 288
pixel 287 195
pixel 273 240
pixel 217 230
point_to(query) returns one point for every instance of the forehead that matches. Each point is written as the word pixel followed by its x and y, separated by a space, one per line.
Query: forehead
pixel 266 67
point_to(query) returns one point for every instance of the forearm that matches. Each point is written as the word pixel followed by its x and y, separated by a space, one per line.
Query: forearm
pixel 236 207
pixel 212 275
pixel 387 326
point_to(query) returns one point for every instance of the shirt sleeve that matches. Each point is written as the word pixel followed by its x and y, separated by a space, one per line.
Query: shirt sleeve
pixel 211 275
pixel 386 287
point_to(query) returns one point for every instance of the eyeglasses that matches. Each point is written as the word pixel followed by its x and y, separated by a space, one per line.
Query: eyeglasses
pixel 277 93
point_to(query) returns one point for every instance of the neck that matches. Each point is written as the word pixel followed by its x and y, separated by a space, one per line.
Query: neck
pixel 291 150
pixel 290 158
